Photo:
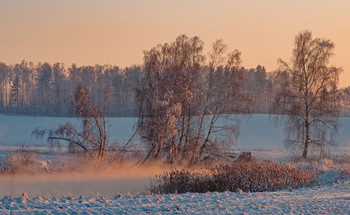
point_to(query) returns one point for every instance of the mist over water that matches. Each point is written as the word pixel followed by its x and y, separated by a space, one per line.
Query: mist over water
pixel 109 183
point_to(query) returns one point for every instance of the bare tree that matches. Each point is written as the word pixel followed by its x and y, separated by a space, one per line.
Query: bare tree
pixel 307 94
pixel 92 138
pixel 223 97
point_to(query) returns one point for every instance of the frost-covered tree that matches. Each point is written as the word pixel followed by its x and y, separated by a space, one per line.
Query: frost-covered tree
pixel 165 95
pixel 308 94
pixel 4 76
pixel 22 79
pixel 15 96
pixel 27 71
pixel 259 87
pixel 344 96
pixel 61 97
pixel 180 99
pixel 44 87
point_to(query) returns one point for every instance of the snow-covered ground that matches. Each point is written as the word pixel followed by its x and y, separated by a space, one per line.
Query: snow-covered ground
pixel 108 194
pixel 258 134
pixel 328 199
pixel 17 130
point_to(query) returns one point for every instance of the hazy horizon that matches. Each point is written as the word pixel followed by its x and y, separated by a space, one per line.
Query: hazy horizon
pixel 116 32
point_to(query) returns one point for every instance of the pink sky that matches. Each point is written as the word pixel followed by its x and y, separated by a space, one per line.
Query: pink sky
pixel 116 32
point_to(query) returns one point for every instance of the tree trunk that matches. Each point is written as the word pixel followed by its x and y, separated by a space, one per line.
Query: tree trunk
pixel 307 137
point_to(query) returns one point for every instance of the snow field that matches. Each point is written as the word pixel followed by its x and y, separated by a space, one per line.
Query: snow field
pixel 328 199
pixel 258 135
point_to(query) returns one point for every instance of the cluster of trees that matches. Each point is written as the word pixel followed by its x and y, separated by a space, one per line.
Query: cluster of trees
pixel 188 103
pixel 182 97
pixel 46 89
pixel 344 98
pixel 181 100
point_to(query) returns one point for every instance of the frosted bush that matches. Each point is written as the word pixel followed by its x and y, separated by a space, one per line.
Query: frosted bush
pixel 245 176
pixel 22 160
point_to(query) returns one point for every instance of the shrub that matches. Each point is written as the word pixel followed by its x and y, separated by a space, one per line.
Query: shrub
pixel 245 176
pixel 22 160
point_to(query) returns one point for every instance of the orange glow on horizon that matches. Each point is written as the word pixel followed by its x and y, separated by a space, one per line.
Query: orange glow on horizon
pixel 116 32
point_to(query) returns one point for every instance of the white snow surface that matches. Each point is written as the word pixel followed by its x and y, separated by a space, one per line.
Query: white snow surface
pixel 120 195
pixel 329 199
pixel 256 131
pixel 258 134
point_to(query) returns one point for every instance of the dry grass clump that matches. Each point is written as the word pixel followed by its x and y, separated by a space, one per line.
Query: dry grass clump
pixel 343 159
pixel 245 176
pixel 22 160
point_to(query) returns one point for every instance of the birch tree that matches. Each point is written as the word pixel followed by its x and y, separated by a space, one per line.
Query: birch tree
pixel 307 96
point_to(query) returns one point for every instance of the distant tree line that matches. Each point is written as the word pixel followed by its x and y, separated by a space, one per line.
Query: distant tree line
pixel 47 89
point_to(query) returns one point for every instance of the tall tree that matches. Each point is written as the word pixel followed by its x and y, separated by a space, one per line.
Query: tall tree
pixel 308 93
pixel 165 96
pixel 26 73
pixel 4 82
pixel 15 96
pixel 60 94
pixel 44 88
